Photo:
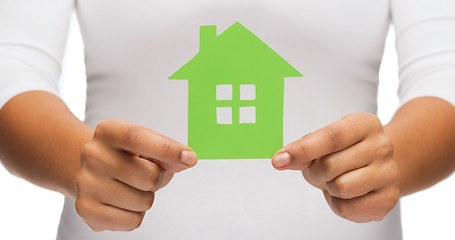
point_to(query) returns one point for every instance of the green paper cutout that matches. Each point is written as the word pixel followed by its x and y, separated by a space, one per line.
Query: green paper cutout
pixel 235 57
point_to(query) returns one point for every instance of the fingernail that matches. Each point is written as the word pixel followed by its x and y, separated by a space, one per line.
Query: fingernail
pixel 188 157
pixel 282 159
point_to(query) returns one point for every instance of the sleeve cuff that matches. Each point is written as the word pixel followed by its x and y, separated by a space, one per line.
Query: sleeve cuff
pixel 15 90
pixel 439 84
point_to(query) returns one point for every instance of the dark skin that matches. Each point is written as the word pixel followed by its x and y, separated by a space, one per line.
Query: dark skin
pixel 44 143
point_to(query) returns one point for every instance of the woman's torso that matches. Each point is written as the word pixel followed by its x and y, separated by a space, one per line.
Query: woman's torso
pixel 132 47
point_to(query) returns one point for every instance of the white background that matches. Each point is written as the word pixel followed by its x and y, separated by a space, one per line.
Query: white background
pixel 29 212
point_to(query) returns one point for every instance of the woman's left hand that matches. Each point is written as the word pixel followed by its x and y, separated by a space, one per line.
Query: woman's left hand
pixel 352 162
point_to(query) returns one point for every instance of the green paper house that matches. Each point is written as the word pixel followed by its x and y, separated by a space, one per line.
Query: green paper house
pixel 235 95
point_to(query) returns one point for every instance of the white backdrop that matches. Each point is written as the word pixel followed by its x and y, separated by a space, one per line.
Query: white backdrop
pixel 29 212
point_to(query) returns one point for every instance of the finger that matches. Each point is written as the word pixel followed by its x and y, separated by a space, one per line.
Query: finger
pixel 140 173
pixel 143 141
pixel 123 166
pixel 102 217
pixel 113 192
pixel 371 207
pixel 332 138
pixel 330 166
pixel 362 181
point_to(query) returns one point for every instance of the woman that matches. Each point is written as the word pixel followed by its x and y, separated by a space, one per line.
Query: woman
pixel 131 143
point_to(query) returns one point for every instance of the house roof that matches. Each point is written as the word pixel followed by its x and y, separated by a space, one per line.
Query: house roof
pixel 235 52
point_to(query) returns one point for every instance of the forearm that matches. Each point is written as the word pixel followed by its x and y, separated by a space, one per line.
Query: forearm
pixel 423 134
pixel 40 141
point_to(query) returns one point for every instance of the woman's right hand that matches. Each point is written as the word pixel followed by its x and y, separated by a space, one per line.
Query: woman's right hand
pixel 122 167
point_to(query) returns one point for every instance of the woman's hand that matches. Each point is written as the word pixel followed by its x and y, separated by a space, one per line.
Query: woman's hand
pixel 352 162
pixel 121 169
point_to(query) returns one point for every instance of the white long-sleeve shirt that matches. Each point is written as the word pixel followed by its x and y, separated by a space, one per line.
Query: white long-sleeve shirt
pixel 132 47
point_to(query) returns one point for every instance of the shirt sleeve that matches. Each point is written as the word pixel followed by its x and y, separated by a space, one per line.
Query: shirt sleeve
pixel 32 40
pixel 425 43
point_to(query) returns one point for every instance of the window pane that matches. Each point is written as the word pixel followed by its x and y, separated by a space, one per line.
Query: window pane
pixel 224 115
pixel 223 92
pixel 247 115
pixel 247 91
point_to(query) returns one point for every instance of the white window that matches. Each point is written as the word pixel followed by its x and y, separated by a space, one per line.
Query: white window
pixel 247 91
pixel 247 115
pixel 224 115
pixel 224 92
